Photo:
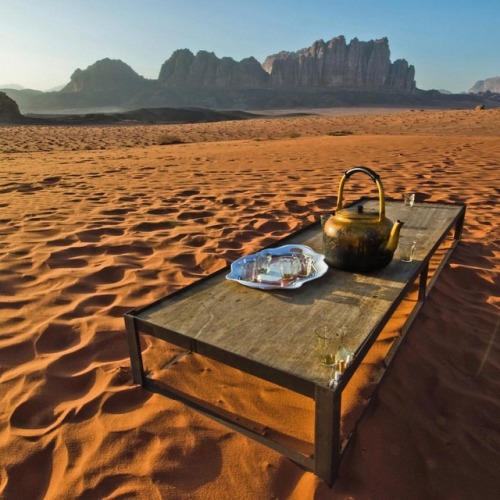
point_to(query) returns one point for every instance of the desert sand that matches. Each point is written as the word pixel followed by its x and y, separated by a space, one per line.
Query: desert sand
pixel 98 220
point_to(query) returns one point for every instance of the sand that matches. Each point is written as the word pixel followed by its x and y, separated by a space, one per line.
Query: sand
pixel 95 221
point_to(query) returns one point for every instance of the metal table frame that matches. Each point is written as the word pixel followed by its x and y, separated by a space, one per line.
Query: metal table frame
pixel 328 447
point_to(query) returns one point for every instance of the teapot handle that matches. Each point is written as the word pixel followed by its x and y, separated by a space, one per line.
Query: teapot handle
pixel 374 176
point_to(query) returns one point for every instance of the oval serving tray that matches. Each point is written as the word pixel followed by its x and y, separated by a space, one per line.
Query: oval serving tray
pixel 272 279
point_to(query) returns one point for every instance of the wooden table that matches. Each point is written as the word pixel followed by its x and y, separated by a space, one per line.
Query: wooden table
pixel 270 334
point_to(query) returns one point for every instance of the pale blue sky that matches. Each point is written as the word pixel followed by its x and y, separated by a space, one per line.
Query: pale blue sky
pixel 451 43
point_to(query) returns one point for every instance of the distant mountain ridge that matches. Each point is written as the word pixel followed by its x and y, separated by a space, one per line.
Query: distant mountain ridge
pixel 333 73
pixel 14 86
pixel 203 79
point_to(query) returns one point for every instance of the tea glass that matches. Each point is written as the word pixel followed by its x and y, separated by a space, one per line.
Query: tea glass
pixel 263 262
pixel 306 264
pixel 289 267
pixel 248 269
pixel 328 343
pixel 407 250
pixel 409 199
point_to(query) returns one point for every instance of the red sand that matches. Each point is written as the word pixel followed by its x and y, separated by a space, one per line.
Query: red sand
pixel 98 220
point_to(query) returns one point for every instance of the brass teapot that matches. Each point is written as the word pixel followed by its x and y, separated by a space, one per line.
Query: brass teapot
pixel 360 241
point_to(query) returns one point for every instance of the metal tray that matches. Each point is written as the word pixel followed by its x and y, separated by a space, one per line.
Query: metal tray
pixel 273 279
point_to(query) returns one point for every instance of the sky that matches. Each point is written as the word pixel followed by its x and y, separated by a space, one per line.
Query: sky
pixel 451 43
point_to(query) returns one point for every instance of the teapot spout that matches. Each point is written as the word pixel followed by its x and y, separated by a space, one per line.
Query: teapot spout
pixel 394 236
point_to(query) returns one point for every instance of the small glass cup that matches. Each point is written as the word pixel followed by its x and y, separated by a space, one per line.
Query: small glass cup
pixel 248 269
pixel 289 267
pixel 343 359
pixel 306 264
pixel 263 262
pixel 409 199
pixel 407 250
pixel 328 342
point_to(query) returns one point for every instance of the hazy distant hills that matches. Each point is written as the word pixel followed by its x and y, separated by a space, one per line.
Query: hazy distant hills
pixel 10 114
pixel 333 73
pixel 13 86
pixel 488 85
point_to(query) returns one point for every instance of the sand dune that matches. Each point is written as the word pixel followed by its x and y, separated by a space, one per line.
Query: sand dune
pixel 95 221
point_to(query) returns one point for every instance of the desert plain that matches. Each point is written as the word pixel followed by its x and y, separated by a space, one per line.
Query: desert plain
pixel 95 221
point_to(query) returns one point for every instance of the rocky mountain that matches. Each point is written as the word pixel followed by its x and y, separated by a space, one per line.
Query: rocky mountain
pixel 9 110
pixel 205 69
pixel 336 64
pixel 488 85
pixel 104 76
pixel 106 83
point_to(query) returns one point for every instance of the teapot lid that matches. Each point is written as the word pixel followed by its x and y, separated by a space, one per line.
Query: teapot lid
pixel 358 212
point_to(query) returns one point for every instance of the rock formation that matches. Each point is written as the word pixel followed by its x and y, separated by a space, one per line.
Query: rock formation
pixel 335 64
pixel 9 110
pixel 205 69
pixel 105 75
pixel 333 73
pixel 488 85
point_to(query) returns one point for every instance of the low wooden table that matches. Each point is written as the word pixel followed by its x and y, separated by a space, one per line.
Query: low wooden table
pixel 270 334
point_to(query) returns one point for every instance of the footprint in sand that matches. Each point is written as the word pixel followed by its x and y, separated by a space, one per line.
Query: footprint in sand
pixel 202 214
pixel 17 354
pixel 57 337
pixel 125 401
pixel 107 275
pixel 51 180
pixel 41 413
pixel 106 347
pixel 94 235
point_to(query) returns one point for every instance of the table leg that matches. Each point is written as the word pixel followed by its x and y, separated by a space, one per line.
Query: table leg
pixel 327 447
pixel 459 227
pixel 422 283
pixel 134 347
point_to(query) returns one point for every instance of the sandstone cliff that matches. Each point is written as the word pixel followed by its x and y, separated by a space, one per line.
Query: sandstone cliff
pixel 335 64
pixel 205 69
